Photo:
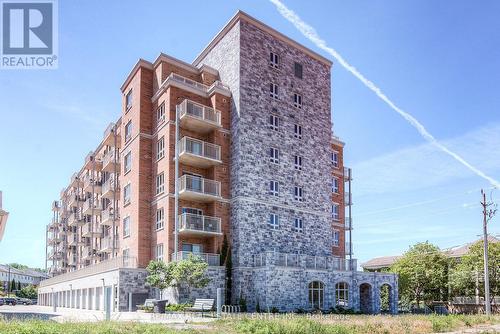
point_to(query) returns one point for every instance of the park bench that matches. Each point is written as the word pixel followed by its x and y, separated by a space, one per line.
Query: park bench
pixel 201 305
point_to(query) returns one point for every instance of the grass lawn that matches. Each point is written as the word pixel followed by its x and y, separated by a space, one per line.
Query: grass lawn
pixel 281 324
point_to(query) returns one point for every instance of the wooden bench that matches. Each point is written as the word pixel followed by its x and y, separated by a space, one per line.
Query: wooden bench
pixel 201 305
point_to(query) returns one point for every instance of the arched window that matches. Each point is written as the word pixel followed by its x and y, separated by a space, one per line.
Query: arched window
pixel 342 294
pixel 316 294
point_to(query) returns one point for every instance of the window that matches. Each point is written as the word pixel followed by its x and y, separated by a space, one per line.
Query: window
pixel 128 131
pixel 335 185
pixel 297 131
pixel 274 155
pixel 126 253
pixel 126 194
pixel 159 252
pixel 274 122
pixel 342 294
pixel 298 194
pixel 273 91
pixel 193 211
pixel 160 114
pixel 128 100
pixel 336 238
pixel 274 188
pixel 160 187
pixel 335 159
pixel 159 219
pixel 192 248
pixel 126 227
pixel 297 162
pixel 335 212
pixel 298 70
pixel 298 225
pixel 316 294
pixel 160 148
pixel 297 101
pixel 274 61
pixel 274 221
pixel 127 163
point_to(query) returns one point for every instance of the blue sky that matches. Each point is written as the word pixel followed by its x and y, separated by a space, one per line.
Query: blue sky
pixel 440 61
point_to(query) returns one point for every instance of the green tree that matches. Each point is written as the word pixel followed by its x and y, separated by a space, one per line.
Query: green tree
pixel 29 292
pixel 18 285
pixel 469 271
pixel 422 273
pixel 13 285
pixel 18 266
pixel 159 275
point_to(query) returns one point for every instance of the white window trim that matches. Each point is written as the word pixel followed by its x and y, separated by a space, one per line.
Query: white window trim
pixel 336 243
pixel 335 185
pixel 298 193
pixel 272 158
pixel 297 162
pixel 297 100
pixel 160 151
pixel 274 63
pixel 338 213
pixel 335 163
pixel 160 188
pixel 300 228
pixel 125 201
pixel 297 134
pixel 275 91
pixel 272 188
pixel 276 218
pixel 273 125
pixel 160 224
pixel 128 220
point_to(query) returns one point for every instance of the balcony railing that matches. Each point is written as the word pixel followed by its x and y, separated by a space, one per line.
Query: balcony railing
pixel 198 188
pixel 108 216
pixel 89 205
pixel 76 219
pixel 199 117
pixel 211 259
pixel 348 223
pixel 94 231
pixel 89 184
pixel 110 162
pixel 108 188
pixel 198 224
pixel 347 199
pixel 303 261
pixel 198 153
pixel 107 244
pixel 348 248
pixel 101 267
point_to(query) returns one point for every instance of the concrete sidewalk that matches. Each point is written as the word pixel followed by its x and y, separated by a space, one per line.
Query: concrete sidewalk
pixel 78 315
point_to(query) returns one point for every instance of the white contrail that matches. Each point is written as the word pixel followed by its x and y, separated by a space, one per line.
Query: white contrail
pixel 313 36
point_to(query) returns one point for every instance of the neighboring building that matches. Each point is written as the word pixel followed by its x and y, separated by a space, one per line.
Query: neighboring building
pixel 257 163
pixel 24 276
pixel 382 264
pixel 3 218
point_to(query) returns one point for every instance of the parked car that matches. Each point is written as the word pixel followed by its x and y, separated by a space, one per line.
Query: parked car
pixel 24 301
pixel 1 301
pixel 10 301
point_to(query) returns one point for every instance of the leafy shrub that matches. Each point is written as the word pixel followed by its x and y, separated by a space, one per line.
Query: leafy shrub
pixel 177 307
pixel 147 309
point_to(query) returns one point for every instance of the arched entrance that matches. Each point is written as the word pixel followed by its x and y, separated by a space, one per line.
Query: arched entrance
pixel 316 295
pixel 342 295
pixel 365 298
pixel 386 298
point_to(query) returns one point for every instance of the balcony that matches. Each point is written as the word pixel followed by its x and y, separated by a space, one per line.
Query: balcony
pixel 198 225
pixel 199 118
pixel 74 240
pixel 348 248
pixel 108 188
pixel 111 162
pixel 303 261
pixel 55 254
pixel 195 188
pixel 76 182
pixel 94 232
pixel 92 162
pixel 348 224
pixel 88 252
pixel 110 136
pixel 75 219
pixel 211 259
pixel 56 206
pixel 54 238
pixel 198 153
pixel 108 217
pixel 92 207
pixel 90 185
pixel 73 261
pixel 347 199
pixel 75 200
pixel 107 244
pixel 347 174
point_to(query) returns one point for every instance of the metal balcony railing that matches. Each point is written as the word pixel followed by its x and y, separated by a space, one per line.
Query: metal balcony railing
pixel 109 186
pixel 211 259
pixel 108 216
pixel 109 160
pixel 199 223
pixel 199 148
pixel 89 204
pixel 200 112
pixel 199 185
pixel 303 261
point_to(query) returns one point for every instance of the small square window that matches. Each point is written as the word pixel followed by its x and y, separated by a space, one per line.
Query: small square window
pixel 298 225
pixel 274 188
pixel 297 131
pixel 298 194
pixel 274 60
pixel 297 101
pixel 298 70
pixel 274 221
pixel 273 91
pixel 274 155
pixel 274 122
pixel 297 162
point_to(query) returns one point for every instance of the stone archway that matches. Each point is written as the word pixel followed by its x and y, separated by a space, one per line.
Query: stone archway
pixel 365 298
pixel 386 298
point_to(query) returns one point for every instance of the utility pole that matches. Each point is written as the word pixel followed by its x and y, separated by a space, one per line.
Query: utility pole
pixel 489 210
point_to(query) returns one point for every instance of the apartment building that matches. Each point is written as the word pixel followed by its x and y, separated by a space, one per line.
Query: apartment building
pixel 22 277
pixel 237 144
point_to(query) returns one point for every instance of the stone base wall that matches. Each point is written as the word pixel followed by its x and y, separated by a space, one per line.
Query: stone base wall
pixel 131 281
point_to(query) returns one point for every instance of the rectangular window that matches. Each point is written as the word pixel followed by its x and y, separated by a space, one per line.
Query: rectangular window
pixel 126 253
pixel 160 114
pixel 274 155
pixel 335 185
pixel 273 90
pixel 126 194
pixel 159 219
pixel 159 252
pixel 297 162
pixel 298 194
pixel 274 60
pixel 160 148
pixel 160 187
pixel 335 211
pixel 297 131
pixel 193 211
pixel 335 159
pixel 336 238
pixel 274 122
pixel 127 163
pixel 274 188
pixel 297 101
pixel 126 227
pixel 274 221
pixel 128 131
pixel 298 225
pixel 128 100
pixel 298 70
